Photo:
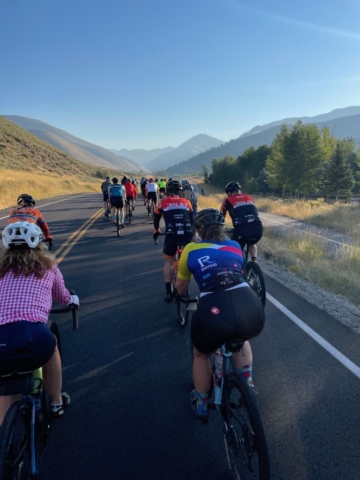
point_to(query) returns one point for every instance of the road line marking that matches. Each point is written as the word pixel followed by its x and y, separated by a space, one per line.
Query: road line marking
pixel 46 204
pixel 81 233
pixel 309 233
pixel 315 336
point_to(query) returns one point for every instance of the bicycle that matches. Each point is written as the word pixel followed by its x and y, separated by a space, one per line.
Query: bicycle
pixel 129 210
pixel 26 426
pixel 181 311
pixel 231 397
pixel 253 274
pixel 151 208
pixel 108 211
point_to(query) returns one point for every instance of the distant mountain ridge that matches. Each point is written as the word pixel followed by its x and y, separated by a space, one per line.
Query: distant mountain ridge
pixel 140 155
pixel 193 146
pixel 76 147
pixel 340 126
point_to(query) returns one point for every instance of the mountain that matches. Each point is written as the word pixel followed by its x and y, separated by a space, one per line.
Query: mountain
pixel 324 117
pixel 340 127
pixel 140 155
pixel 75 147
pixel 191 147
pixel 21 150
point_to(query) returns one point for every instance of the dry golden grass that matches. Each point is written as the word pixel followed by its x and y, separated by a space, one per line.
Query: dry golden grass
pixel 16 182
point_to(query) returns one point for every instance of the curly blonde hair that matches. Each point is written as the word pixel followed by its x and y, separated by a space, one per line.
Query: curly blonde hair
pixel 26 261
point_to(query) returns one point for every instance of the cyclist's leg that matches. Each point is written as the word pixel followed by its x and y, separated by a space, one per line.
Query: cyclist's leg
pixel 5 404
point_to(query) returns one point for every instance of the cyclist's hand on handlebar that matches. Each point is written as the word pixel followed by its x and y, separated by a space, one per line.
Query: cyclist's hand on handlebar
pixel 156 234
pixel 75 300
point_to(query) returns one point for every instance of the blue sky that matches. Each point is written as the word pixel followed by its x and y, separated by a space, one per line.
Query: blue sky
pixel 153 73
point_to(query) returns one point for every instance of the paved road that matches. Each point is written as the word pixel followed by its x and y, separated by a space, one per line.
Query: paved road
pixel 128 372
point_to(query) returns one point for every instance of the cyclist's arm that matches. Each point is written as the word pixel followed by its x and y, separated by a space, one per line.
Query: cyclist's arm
pixel 157 216
pixel 223 208
pixel 59 292
pixel 42 224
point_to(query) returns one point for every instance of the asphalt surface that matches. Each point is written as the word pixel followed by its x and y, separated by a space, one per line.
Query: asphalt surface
pixel 128 372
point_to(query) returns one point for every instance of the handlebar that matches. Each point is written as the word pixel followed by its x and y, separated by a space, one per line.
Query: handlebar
pixel 74 310
pixel 50 243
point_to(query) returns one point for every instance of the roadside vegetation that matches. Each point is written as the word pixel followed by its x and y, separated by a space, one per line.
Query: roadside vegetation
pixel 334 268
pixel 30 165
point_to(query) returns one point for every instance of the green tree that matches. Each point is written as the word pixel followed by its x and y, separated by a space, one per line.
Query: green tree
pixel 337 177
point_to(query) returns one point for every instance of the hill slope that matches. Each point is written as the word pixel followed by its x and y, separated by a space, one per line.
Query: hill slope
pixel 77 148
pixel 341 127
pixel 20 150
pixel 140 155
pixel 193 146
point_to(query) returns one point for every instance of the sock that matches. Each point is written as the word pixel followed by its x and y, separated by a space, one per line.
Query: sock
pixel 168 288
pixel 246 373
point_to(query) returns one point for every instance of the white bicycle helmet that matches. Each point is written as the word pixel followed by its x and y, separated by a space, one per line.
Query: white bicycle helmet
pixel 21 233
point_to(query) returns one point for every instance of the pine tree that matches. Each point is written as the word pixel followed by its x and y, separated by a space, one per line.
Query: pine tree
pixel 337 177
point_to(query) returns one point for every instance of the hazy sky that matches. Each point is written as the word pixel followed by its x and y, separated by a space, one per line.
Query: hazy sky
pixel 153 73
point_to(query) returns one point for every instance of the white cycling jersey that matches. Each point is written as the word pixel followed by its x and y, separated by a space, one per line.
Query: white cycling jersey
pixel 152 187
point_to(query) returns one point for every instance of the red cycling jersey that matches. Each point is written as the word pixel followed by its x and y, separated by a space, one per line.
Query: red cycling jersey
pixel 31 215
pixel 130 190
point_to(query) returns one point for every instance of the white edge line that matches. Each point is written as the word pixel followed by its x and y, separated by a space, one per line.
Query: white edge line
pixel 57 201
pixel 309 233
pixel 315 336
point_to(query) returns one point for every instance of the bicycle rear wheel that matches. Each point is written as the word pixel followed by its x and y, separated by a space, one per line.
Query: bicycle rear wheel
pixel 256 280
pixel 245 439
pixel 118 222
pixel 15 462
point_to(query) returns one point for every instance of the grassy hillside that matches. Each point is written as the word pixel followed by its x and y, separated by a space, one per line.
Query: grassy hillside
pixel 32 165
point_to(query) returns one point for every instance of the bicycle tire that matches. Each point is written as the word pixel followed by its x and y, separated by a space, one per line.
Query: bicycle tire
pixel 54 329
pixel 245 440
pixel 117 222
pixel 256 280
pixel 15 462
pixel 182 311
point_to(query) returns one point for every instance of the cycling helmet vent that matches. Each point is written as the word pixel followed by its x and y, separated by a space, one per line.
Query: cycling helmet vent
pixel 21 234
pixel 207 217
pixel 232 187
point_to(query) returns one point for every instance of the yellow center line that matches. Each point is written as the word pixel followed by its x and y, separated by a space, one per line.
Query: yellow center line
pixel 75 237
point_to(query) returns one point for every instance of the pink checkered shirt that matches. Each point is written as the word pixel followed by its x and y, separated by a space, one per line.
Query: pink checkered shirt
pixel 30 298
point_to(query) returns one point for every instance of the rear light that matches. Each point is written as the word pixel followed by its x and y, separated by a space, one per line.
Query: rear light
pixel 180 250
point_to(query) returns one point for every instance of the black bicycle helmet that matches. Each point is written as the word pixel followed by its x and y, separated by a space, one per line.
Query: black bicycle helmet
pixel 209 216
pixel 232 187
pixel 25 199
pixel 174 187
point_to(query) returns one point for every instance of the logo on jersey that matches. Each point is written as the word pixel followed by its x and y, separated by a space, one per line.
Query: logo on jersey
pixel 206 263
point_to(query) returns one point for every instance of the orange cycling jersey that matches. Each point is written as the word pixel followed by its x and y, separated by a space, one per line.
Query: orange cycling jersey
pixel 31 215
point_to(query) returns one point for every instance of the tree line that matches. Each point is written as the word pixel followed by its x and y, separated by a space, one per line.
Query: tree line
pixel 301 160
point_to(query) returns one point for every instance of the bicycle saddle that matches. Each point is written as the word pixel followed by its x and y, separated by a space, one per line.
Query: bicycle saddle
pixel 234 345
pixel 17 383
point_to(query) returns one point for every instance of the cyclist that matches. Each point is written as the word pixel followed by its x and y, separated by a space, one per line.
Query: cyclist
pixel 162 187
pixel 116 196
pixel 26 212
pixel 247 225
pixel 143 183
pixel 105 191
pixel 29 281
pixel 188 192
pixel 151 191
pixel 123 180
pixel 228 308
pixel 178 217
pixel 131 193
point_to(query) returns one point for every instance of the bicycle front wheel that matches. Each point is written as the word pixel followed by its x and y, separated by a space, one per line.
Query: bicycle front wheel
pixel 15 462
pixel 256 280
pixel 182 311
pixel 245 439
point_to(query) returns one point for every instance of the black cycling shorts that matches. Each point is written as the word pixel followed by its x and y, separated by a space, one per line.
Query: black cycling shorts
pixel 130 198
pixel 226 315
pixel 162 190
pixel 248 234
pixel 171 243
pixel 25 346
pixel 117 202
pixel 105 196
pixel 152 195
